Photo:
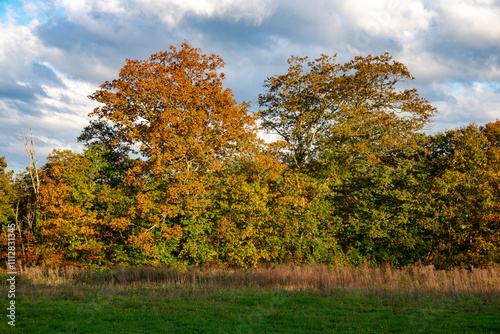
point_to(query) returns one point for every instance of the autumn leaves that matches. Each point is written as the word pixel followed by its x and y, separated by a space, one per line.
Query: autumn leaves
pixel 174 173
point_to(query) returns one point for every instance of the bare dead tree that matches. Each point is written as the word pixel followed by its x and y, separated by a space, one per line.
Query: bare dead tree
pixel 29 146
pixel 31 198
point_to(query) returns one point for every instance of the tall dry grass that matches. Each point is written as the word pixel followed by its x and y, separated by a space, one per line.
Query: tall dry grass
pixel 290 277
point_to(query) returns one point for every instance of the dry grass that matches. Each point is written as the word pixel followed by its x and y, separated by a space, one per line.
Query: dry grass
pixel 289 277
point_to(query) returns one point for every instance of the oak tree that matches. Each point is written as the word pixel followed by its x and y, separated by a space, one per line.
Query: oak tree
pixel 351 128
pixel 173 114
pixel 320 107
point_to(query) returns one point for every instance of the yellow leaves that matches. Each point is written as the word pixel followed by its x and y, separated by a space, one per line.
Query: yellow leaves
pixel 373 159
pixel 143 240
pixel 52 196
pixel 320 106
pixel 52 256
pixel 87 231
pixel 90 248
pixel 55 230
pixel 119 223
pixel 172 232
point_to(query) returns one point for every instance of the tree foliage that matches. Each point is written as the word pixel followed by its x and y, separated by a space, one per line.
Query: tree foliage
pixel 173 173
pixel 462 218
pixel 320 107
pixel 6 207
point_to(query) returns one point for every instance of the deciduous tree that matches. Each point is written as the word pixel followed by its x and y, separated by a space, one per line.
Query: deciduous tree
pixel 172 112
pixel 320 108
pixel 463 213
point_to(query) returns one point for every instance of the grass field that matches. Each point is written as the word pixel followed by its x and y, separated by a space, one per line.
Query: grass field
pixel 285 299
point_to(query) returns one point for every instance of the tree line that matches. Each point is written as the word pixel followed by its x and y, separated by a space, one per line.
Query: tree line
pixel 173 172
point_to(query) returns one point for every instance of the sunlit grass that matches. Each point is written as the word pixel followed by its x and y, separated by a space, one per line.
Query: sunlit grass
pixel 283 299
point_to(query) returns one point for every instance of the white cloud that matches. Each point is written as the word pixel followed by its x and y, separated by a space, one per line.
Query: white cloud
pixel 82 8
pixel 18 44
pixel 71 98
pixel 20 49
pixel 465 103
pixel 472 23
pixel 169 12
pixel 56 115
pixel 426 66
pixel 387 17
pixel 172 11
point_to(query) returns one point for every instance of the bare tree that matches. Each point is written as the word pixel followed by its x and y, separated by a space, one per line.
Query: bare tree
pixel 31 198
pixel 29 146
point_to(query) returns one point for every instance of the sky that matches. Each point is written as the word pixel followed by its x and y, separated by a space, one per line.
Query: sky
pixel 54 53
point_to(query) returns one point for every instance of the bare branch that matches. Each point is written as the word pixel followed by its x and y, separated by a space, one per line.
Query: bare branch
pixel 29 146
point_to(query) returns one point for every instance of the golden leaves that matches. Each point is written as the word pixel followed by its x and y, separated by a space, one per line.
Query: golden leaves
pixel 319 106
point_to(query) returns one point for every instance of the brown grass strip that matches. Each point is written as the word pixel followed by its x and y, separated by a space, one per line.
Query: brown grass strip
pixel 290 277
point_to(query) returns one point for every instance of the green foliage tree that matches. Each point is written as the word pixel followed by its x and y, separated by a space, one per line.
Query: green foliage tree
pixel 320 108
pixel 114 160
pixel 6 193
pixel 7 208
pixel 350 129
pixel 462 216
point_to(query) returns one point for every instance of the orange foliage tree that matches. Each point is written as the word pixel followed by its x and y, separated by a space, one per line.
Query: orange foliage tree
pixel 172 112
pixel 82 220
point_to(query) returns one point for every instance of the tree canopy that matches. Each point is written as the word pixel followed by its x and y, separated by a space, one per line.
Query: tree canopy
pixel 173 172
pixel 320 106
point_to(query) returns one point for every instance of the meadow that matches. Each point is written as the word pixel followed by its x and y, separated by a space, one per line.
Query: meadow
pixel 267 299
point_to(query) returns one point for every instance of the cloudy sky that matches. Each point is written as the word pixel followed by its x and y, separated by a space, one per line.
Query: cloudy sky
pixel 54 53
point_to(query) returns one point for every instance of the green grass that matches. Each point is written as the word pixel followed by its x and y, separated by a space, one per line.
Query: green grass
pixel 145 308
